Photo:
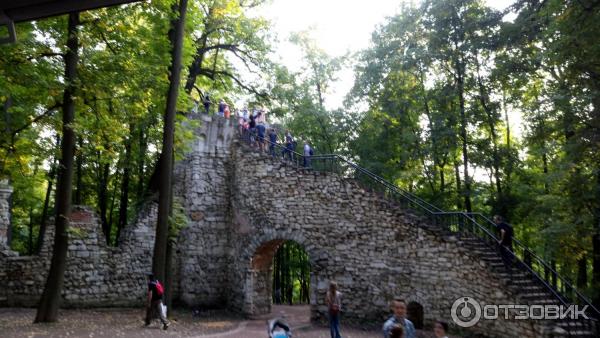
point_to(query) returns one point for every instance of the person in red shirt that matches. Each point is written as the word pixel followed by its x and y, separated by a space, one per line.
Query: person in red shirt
pixel 154 302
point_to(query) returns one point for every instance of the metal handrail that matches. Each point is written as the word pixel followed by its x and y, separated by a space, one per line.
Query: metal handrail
pixel 435 213
pixel 532 255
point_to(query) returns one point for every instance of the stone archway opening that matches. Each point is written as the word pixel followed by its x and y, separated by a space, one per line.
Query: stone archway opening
pixel 281 274
pixel 415 313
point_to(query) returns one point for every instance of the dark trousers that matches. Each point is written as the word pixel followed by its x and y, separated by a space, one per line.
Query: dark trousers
pixel 334 325
pixel 506 254
pixel 153 310
pixel 306 161
pixel 287 150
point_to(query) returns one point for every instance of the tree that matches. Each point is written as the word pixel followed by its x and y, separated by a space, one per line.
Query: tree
pixel 224 30
pixel 176 36
pixel 50 301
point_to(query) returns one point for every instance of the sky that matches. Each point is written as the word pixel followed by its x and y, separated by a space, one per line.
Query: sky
pixel 338 26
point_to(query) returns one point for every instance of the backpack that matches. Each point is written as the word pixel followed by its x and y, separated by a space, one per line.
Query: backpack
pixel 160 290
pixel 311 151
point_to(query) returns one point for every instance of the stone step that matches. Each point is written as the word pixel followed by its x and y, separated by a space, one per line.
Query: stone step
pixel 546 301
pixel 524 282
pixel 537 295
pixel 581 334
pixel 572 324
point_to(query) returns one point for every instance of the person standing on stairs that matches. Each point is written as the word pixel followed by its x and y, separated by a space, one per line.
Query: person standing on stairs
pixel 272 141
pixel 505 241
pixel 308 153
pixel 252 128
pixel 289 141
pixel 206 102
pixel 221 110
pixel 260 132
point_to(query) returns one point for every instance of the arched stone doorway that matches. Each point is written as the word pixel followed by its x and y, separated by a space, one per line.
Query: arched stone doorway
pixel 262 279
pixel 415 313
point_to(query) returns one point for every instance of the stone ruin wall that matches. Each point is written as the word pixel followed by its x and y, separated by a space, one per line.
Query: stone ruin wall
pixel 96 274
pixel 373 249
pixel 241 206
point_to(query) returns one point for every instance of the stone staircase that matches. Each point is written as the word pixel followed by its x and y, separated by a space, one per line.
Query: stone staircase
pixel 523 282
pixel 526 286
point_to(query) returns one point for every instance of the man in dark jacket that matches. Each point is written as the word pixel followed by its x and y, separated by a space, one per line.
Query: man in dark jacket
pixel 505 233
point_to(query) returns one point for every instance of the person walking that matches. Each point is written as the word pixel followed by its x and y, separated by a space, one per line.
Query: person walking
pixel 440 329
pixel 308 152
pixel 241 122
pixel 260 131
pixel 252 128
pixel 505 241
pixel 272 141
pixel 221 110
pixel 333 299
pixel 289 144
pixel 154 302
pixel 206 103
pixel 399 318
pixel 226 112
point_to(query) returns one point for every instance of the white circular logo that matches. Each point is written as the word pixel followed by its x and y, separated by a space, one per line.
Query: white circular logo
pixel 466 312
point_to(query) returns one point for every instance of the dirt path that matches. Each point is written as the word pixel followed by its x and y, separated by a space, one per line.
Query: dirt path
pixel 119 322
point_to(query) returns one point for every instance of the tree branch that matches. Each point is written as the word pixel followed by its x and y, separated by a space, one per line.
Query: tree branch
pixel 46 54
pixel 212 74
pixel 48 112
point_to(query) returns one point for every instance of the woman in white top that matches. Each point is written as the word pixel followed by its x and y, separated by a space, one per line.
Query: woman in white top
pixel 440 329
pixel 334 305
pixel 262 118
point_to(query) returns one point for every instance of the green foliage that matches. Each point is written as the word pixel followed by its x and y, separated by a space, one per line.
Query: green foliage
pixel 299 97
pixel 544 65
pixel 120 98
pixel 178 219
pixel 291 274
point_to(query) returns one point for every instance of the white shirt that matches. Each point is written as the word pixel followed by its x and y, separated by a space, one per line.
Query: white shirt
pixel 306 150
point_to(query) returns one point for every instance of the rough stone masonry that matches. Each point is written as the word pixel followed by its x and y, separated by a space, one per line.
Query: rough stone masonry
pixel 241 206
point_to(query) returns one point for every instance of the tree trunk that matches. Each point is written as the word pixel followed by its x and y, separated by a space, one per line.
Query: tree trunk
pixel 111 209
pixel 596 263
pixel 124 201
pixel 500 207
pixel 142 144
pixel 30 233
pixel 79 164
pixel 288 272
pixel 169 277
pixel 51 297
pixel 463 135
pixel 459 205
pixel 196 65
pixel 596 243
pixel 44 218
pixel 582 276
pixel 103 200
pixel 166 164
